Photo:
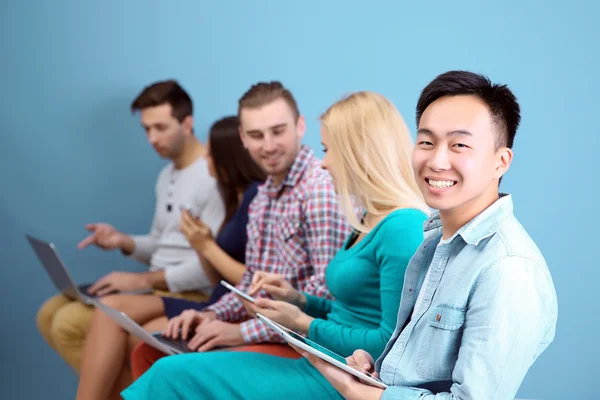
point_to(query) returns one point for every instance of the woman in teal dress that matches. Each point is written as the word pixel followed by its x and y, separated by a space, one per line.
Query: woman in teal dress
pixel 367 149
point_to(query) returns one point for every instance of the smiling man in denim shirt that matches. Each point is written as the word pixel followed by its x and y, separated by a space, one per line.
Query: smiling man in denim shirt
pixel 478 305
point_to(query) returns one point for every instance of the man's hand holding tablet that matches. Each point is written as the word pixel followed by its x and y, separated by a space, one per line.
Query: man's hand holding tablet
pixel 342 373
pixel 349 385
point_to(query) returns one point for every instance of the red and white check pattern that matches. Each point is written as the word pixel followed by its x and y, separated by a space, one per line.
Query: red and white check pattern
pixel 293 230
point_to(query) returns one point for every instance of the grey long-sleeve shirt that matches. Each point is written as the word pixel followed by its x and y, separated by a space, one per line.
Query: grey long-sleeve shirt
pixel 165 247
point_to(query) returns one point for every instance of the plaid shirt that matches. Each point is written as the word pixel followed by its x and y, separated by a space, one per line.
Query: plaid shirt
pixel 293 230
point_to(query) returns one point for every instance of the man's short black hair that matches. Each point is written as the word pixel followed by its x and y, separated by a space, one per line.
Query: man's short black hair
pixel 502 103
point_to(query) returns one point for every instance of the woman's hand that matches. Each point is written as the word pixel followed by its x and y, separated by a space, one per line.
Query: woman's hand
pixel 195 231
pixel 277 287
pixel 281 312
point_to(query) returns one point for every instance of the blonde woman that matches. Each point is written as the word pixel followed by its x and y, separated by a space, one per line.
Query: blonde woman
pixel 367 151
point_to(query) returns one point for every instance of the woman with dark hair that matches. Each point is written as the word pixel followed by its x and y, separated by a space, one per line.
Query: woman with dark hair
pixel 238 178
pixel 105 367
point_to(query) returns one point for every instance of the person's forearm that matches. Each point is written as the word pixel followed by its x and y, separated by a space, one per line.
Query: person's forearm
pixel 211 273
pixel 303 323
pixel 127 244
pixel 361 391
pixel 301 301
pixel 230 269
pixel 155 279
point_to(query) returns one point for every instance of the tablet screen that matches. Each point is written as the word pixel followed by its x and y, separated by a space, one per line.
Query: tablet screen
pixel 316 346
pixel 334 357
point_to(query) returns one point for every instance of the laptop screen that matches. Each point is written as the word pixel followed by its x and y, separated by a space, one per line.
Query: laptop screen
pixel 53 265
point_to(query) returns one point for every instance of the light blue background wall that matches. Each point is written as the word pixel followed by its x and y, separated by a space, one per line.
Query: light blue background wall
pixel 71 153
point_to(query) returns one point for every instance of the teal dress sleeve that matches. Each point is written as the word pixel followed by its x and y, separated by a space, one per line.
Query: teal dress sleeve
pixel 317 307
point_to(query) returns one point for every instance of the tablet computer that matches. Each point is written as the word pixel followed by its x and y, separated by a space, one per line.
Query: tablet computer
pixel 320 351
pixel 237 291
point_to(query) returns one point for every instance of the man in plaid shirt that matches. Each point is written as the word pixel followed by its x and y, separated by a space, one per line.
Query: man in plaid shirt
pixel 295 223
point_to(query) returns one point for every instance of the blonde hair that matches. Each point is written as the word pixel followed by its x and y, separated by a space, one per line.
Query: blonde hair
pixel 371 146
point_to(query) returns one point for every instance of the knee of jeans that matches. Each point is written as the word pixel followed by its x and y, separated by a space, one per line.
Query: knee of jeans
pixel 44 316
pixel 71 322
pixel 48 310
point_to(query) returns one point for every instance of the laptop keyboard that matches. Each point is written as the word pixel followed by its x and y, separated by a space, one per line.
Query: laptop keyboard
pixel 178 344
pixel 84 289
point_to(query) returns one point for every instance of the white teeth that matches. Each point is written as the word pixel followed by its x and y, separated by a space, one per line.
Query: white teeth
pixel 440 184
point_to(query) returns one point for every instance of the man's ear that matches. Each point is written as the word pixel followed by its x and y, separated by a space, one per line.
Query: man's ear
pixel 504 158
pixel 188 125
pixel 300 127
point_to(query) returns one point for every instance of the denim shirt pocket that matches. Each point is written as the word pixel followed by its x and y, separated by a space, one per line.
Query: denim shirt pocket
pixel 438 350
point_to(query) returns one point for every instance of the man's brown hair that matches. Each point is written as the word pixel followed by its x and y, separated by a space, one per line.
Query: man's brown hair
pixel 165 92
pixel 264 93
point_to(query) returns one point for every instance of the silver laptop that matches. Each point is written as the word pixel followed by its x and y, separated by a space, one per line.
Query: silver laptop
pixel 48 256
pixel 156 340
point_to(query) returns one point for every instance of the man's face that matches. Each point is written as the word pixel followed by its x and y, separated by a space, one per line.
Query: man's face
pixel 272 136
pixel 455 159
pixel 165 133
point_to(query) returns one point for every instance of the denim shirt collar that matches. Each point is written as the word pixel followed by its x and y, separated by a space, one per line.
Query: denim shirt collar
pixel 483 225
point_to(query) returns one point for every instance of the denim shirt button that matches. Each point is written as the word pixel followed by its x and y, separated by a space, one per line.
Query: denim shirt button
pixel 438 318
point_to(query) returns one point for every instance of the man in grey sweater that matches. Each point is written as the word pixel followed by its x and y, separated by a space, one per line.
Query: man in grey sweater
pixel 174 267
